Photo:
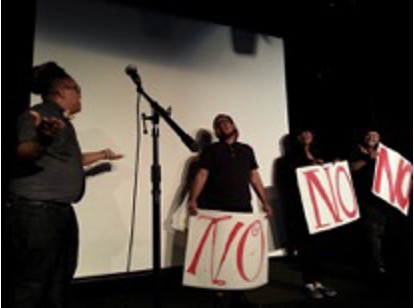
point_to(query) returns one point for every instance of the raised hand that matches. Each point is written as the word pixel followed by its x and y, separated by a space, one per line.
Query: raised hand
pixel 47 126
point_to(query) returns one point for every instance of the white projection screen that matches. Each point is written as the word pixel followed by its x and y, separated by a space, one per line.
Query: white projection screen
pixel 188 65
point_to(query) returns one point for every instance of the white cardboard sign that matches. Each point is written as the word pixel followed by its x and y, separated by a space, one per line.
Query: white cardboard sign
pixel 226 250
pixel 328 196
pixel 393 179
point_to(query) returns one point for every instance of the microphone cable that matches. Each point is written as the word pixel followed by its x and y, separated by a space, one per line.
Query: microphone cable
pixel 135 185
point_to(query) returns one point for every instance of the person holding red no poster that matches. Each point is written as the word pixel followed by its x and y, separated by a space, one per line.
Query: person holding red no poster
pixel 373 210
pixel 304 152
pixel 227 169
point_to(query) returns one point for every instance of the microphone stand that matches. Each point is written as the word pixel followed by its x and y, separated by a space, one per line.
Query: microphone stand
pixel 157 112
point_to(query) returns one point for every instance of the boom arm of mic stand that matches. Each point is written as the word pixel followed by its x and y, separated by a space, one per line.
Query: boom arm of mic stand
pixel 190 143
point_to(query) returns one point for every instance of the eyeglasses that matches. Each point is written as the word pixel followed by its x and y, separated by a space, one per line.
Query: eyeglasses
pixel 75 88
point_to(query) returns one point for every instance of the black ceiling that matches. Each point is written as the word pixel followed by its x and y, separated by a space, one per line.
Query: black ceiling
pixel 289 17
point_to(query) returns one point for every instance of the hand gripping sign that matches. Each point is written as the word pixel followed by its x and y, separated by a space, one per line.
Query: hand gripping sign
pixel 393 179
pixel 226 250
pixel 328 196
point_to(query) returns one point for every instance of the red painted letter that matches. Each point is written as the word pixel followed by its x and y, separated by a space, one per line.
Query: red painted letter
pixel 255 228
pixel 314 183
pixel 351 213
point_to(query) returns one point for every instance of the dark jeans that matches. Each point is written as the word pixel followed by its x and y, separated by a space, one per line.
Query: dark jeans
pixel 374 224
pixel 310 258
pixel 308 246
pixel 41 253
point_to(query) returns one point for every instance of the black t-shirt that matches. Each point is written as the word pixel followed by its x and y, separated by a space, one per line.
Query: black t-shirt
pixel 373 209
pixel 297 158
pixel 229 166
pixel 363 177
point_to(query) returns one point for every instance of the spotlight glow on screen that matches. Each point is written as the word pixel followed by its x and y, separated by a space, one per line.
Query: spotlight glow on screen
pixel 190 66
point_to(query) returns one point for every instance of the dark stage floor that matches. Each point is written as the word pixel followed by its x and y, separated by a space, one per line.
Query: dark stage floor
pixel 284 290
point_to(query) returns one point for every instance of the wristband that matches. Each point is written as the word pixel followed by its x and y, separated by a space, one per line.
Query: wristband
pixel 106 154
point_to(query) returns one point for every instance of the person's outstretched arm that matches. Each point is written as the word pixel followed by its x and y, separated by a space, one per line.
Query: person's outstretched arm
pixel 93 157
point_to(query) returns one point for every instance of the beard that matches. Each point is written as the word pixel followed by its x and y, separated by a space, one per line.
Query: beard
pixel 226 135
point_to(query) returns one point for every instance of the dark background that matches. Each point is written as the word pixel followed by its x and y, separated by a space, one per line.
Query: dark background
pixel 342 56
pixel 348 66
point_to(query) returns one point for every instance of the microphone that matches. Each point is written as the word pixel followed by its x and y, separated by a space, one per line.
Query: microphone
pixel 131 71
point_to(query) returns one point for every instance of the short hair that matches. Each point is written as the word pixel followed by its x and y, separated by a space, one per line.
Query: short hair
pixel 221 116
pixel 224 116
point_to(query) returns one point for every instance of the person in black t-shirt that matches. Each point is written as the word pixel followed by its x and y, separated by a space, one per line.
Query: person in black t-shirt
pixel 305 152
pixel 374 211
pixel 227 169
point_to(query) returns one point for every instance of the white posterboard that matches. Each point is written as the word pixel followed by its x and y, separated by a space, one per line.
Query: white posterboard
pixel 226 250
